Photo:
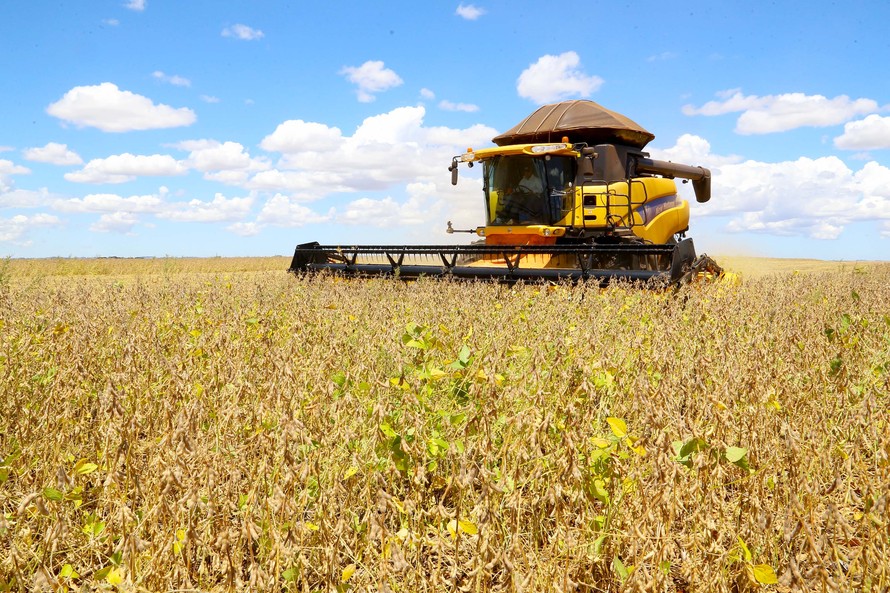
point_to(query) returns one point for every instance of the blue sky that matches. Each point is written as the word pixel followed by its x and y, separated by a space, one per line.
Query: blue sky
pixel 151 128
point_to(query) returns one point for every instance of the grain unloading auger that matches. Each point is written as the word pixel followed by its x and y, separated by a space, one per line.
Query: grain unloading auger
pixel 568 194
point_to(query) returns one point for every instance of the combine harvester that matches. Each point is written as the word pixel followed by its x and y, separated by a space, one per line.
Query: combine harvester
pixel 568 194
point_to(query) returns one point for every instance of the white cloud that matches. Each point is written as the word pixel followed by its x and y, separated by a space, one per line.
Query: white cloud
pixel 466 107
pixel 554 78
pixel 296 135
pixel 469 12
pixel 127 167
pixel 692 150
pixel 219 209
pixel 371 77
pixel 25 198
pixel 871 133
pixel 119 212
pixel 10 168
pixel 212 156
pixel 137 5
pixel 110 203
pixel 110 109
pixel 281 210
pixel 389 213
pixel 662 57
pixel 386 150
pixel 115 222
pixel 427 94
pixel 816 198
pixel 12 230
pixel 209 99
pixel 53 153
pixel 175 80
pixel 245 229
pixel 243 32
pixel 780 113
pixel 111 22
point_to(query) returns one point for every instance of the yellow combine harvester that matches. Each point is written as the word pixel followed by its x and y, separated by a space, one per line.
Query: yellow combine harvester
pixel 569 194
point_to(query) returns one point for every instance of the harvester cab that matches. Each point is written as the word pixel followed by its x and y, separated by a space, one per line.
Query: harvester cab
pixel 593 207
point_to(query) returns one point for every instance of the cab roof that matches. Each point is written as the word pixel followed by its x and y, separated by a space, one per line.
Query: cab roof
pixel 579 120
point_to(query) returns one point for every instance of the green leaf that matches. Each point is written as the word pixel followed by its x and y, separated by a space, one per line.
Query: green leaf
pixel 52 494
pixel 464 355
pixel 836 364
pixel 765 575
pixel 743 548
pixel 87 468
pixel 693 445
pixel 620 569
pixel 735 454
pixel 102 573
pixel 599 491
pixel 68 572
pixel 339 378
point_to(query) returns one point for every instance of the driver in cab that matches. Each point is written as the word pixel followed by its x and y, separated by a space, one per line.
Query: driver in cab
pixel 530 183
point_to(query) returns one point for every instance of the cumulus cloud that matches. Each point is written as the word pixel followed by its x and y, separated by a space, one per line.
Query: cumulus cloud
pixel 245 229
pixel 469 11
pixel 392 152
pixel 127 167
pixel 465 107
pixel 243 32
pixel 53 153
pixel 173 79
pixel 555 78
pixel 106 202
pixel 15 229
pixel 137 5
pixel 282 210
pixel 219 209
pixel 25 198
pixel 388 212
pixel 370 78
pixel 106 107
pixel 115 222
pixel 211 156
pixel 121 213
pixel 780 113
pixel 816 198
pixel 386 150
pixel 296 135
pixel 427 94
pixel 10 168
pixel 871 133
